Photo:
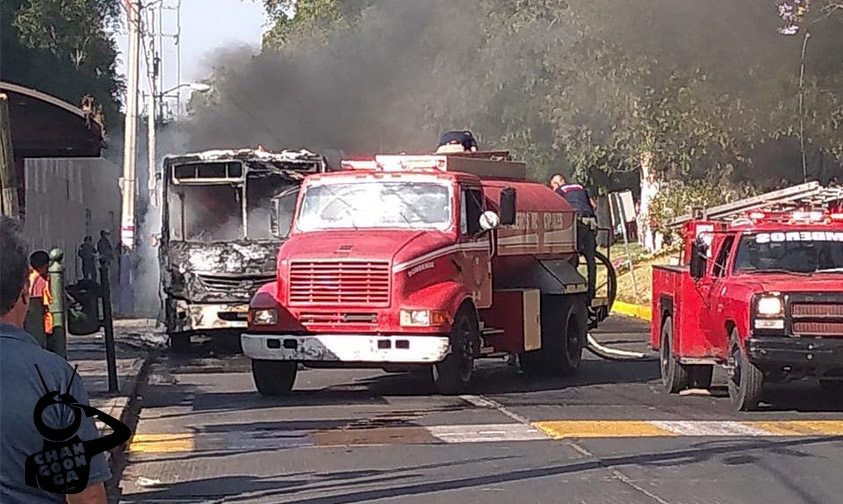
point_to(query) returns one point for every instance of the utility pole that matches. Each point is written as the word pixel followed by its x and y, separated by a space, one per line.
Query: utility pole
pixel 151 120
pixel 127 232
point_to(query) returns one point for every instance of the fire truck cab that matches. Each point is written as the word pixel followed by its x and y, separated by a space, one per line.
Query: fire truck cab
pixel 404 261
pixel 761 295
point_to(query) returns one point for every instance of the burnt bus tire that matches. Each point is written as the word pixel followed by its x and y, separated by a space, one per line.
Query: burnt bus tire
pixel 180 342
pixel 453 374
pixel 274 378
pixel 746 381
pixel 675 376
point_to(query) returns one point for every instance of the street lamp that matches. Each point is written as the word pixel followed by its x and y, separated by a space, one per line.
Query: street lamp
pixel 152 123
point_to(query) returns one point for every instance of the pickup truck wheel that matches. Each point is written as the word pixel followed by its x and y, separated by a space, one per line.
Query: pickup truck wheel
pixel 746 382
pixel 675 376
pixel 274 378
pixel 453 374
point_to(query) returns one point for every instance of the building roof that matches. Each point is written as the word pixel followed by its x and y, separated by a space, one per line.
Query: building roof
pixel 44 126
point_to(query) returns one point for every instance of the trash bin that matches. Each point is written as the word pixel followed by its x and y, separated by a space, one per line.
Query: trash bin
pixel 83 314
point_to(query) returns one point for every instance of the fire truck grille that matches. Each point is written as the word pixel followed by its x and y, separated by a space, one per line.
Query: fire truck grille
pixel 361 283
pixel 818 328
pixel 338 318
pixel 804 310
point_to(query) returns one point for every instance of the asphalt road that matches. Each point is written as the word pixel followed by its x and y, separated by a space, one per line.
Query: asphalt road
pixel 608 435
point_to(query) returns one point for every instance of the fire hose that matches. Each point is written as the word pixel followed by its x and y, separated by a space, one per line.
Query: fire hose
pixel 603 351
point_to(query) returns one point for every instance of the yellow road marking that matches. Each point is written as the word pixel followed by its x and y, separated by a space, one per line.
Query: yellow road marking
pixel 643 312
pixel 801 427
pixel 601 429
pixel 162 443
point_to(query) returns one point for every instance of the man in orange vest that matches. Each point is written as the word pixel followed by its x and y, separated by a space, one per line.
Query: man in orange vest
pixel 39 286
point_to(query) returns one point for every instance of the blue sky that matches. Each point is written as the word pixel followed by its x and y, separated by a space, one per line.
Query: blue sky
pixel 206 25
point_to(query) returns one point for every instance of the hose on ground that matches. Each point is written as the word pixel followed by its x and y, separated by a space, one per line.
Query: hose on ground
pixel 603 351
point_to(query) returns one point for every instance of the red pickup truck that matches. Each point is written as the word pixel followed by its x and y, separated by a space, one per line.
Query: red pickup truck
pixel 761 295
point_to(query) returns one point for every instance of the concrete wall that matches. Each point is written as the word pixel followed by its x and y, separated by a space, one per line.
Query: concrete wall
pixel 67 199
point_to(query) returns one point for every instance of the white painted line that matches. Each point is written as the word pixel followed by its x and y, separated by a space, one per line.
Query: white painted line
pixel 483 402
pixel 710 428
pixel 485 433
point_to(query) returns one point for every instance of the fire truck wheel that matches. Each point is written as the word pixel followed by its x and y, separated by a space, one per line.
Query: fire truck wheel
pixel 573 339
pixel 453 374
pixel 675 376
pixel 746 382
pixel 274 378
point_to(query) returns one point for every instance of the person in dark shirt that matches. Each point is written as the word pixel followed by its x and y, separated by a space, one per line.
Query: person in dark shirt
pixel 457 141
pixel 49 446
pixel 88 254
pixel 577 196
pixel 104 248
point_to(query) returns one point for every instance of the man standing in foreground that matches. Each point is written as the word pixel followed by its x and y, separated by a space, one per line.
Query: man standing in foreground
pixel 578 198
pixel 26 370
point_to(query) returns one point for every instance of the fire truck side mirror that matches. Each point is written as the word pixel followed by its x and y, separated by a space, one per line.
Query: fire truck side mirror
pixel 698 259
pixel 489 220
pixel 507 210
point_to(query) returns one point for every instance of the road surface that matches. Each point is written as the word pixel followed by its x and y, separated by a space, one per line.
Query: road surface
pixel 608 435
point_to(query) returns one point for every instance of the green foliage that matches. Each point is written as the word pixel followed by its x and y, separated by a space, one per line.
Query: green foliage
pixel 676 198
pixel 63 47
pixel 582 86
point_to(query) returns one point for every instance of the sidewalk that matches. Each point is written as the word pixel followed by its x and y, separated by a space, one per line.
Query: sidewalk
pixel 135 342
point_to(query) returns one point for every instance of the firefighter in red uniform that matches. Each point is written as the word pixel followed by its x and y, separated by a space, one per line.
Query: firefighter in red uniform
pixel 578 198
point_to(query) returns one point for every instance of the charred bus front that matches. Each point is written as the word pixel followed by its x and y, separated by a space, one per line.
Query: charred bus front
pixel 224 214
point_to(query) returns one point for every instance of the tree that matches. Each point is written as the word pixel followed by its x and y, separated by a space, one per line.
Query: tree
pixel 63 48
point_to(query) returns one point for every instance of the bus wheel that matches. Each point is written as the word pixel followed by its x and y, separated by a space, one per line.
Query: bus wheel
pixel 746 382
pixel 674 375
pixel 180 342
pixel 274 378
pixel 453 374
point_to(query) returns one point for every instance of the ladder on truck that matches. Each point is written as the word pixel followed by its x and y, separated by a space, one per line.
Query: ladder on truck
pixel 809 196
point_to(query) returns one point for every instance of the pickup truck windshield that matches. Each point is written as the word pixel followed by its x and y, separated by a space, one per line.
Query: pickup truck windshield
pixel 796 251
pixel 368 204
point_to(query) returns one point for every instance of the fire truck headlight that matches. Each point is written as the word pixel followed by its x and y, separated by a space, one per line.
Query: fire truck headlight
pixel 423 318
pixel 770 306
pixel 264 316
pixel 769 323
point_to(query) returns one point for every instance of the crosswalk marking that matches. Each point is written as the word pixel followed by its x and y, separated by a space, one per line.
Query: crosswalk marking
pixel 710 428
pixel 600 429
pixel 485 433
pixel 245 440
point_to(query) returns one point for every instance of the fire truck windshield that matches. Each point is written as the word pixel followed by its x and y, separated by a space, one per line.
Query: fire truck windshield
pixel 375 204
pixel 796 252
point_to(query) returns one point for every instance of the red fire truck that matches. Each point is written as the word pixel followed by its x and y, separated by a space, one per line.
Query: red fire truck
pixel 404 261
pixel 759 290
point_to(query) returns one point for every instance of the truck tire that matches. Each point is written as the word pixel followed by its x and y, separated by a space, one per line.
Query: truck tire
pixel 675 376
pixel 567 360
pixel 453 375
pixel 746 381
pixel 274 378
pixel 180 342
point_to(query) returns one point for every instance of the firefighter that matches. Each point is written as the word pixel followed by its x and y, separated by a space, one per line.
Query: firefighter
pixel 577 196
pixel 457 141
pixel 39 288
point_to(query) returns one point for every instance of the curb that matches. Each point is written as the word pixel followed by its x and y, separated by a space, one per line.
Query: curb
pixel 633 310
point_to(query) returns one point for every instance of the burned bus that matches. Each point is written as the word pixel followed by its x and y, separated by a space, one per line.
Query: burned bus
pixel 224 215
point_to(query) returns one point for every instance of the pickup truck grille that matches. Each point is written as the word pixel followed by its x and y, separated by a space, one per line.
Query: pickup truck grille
pixel 360 283
pixel 817 319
